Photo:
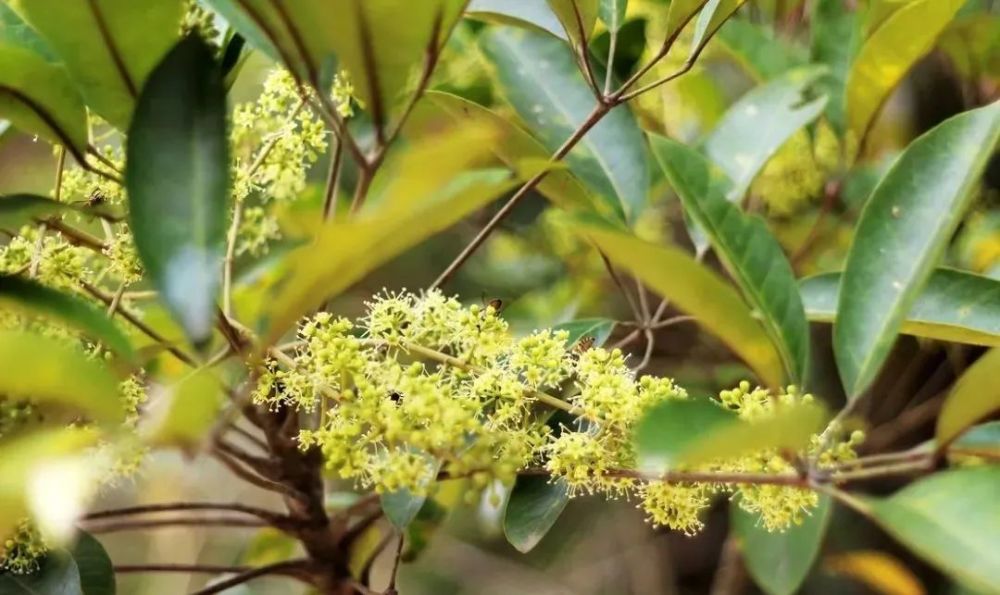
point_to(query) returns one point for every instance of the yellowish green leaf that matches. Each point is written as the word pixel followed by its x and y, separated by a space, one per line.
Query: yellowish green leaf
pixel 577 17
pixel 974 397
pixel 185 414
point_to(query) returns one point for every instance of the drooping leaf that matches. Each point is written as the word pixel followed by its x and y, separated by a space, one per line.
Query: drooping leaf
pixel 534 506
pixel 576 16
pixel 34 298
pixel 531 13
pixel 954 306
pixel 712 16
pixel 186 414
pixel 903 229
pixel 109 47
pixel 97 576
pixel 177 175
pixel 836 37
pixel 39 98
pixel 539 77
pixel 49 372
pixel 751 254
pixel 612 13
pixel 689 431
pixel 950 520
pixel 598 328
pixel 697 291
pixel 757 125
pixel 57 575
pixel 975 396
pixel 780 562
pixel 888 54
pixel 762 54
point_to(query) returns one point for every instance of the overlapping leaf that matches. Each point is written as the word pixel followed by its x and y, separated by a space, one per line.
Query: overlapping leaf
pixel 531 13
pixel 534 506
pixel 974 397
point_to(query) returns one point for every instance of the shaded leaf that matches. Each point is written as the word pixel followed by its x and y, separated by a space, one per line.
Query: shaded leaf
pixel 598 328
pixel 954 306
pixel 109 47
pixel 39 98
pixel 836 37
pixel 532 13
pixel 402 506
pixel 241 21
pixel 749 251
pixel 612 13
pixel 757 125
pixel 185 415
pixel 950 520
pixel 534 506
pixel 903 229
pixel 974 397
pixel 34 298
pixel 695 290
pixel 97 576
pixel 689 431
pixel 758 50
pixel 679 13
pixel 888 54
pixel 780 562
pixel 57 575
pixel 539 77
pixel 20 209
pixel 983 439
pixel 177 176
pixel 712 16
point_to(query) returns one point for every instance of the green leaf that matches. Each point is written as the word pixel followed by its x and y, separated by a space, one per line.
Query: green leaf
pixel 57 575
pixel 109 47
pixel 982 439
pixel 696 290
pixel 97 576
pixel 39 98
pixel 177 176
pixel 950 520
pixel 186 416
pixel 534 506
pixel 243 22
pixel 836 37
pixel 757 125
pixel 763 54
pixel 577 17
pixel 904 227
pixel 17 210
pixel 535 14
pixel 954 306
pixel 750 253
pixel 47 371
pixel 402 506
pixel 974 397
pixel 598 328
pixel 780 562
pixel 612 13
pixel 888 54
pixel 713 16
pixel 34 298
pixel 679 14
pixel 690 431
pixel 15 32
pixel 539 77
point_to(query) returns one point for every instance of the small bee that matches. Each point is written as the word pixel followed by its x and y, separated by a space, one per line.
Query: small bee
pixel 584 344
pixel 395 397
pixel 495 303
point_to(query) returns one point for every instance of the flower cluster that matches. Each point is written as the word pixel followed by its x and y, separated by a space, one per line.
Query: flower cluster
pixel 421 387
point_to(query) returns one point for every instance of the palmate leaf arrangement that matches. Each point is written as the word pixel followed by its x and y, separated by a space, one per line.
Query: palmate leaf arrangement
pixel 127 327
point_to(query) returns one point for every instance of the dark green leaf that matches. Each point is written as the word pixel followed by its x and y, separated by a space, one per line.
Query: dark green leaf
pixel 954 306
pixel 903 229
pixel 401 507
pixel 763 54
pixel 598 328
pixel 35 298
pixel 975 396
pixel 949 519
pixel 97 576
pixel 539 77
pixel 779 562
pixel 531 13
pixel 57 575
pixel 177 175
pixel 751 254
pixel 836 36
pixel 534 505
pixel 20 209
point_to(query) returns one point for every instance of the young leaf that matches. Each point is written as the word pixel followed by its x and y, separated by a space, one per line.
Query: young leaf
pixel 577 17
pixel 39 98
pixel 954 306
pixel 696 290
pixel 177 175
pixel 34 298
pixel 97 576
pixel 950 520
pixel 57 575
pixel 612 13
pixel 975 396
pixel 751 254
pixel 598 328
pixel 903 229
pixel 188 413
pixel 836 37
pixel 539 77
pixel 533 507
pixel 47 371
pixel 780 562
pixel 535 14
pixel 757 125
pixel 689 431
pixel 888 54
pixel 109 47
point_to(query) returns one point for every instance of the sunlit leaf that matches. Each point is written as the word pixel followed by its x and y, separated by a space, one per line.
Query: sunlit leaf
pixel 39 98
pixel 577 17
pixel 954 306
pixel 879 571
pixel 751 254
pixel 188 410
pixel 539 77
pixel 689 431
pixel 598 328
pixel 975 396
pixel 712 16
pixel 534 506
pixel 780 562
pixel 177 175
pixel 109 47
pixel 15 32
pixel 679 13
pixel 530 13
pixel 695 290
pixel 904 227
pixel 888 54
pixel 950 520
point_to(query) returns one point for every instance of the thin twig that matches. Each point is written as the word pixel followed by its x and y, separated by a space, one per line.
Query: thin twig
pixel 192 568
pixel 175 506
pixel 636 312
pixel 113 527
pixel 227 266
pixel 291 568
pixel 395 564
pixel 333 181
